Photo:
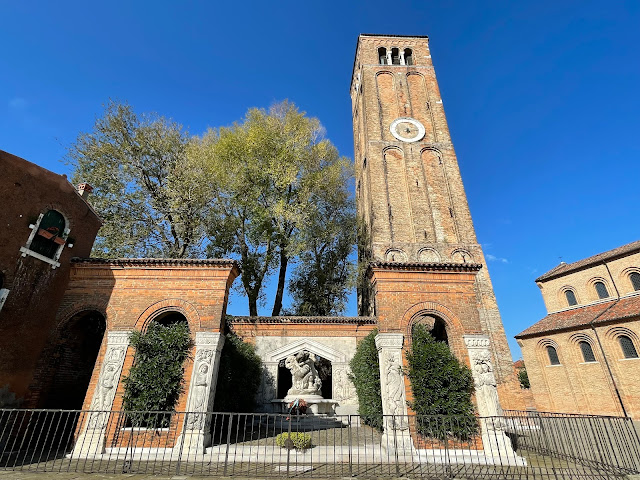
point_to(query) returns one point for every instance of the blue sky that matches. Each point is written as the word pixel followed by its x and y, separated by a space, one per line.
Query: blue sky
pixel 541 97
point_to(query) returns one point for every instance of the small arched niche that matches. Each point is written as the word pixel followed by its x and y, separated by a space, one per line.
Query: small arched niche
pixel 435 324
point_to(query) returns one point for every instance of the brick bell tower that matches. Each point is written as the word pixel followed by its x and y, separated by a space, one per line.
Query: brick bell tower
pixel 426 265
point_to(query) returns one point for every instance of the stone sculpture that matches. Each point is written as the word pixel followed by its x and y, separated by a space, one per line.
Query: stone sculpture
pixel 107 382
pixel 305 379
pixel 486 391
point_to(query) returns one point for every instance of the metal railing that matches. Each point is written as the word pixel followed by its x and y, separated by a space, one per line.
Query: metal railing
pixel 516 445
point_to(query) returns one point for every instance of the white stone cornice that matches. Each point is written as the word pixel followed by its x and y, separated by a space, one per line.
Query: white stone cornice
pixel 476 341
pixel 389 340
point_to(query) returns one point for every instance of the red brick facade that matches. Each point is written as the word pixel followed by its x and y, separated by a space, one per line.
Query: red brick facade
pixel 35 286
pixel 411 199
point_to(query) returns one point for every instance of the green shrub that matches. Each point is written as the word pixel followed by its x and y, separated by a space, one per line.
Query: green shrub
pixel 156 379
pixel 365 375
pixel 299 440
pixel 523 376
pixel 441 385
pixel 239 376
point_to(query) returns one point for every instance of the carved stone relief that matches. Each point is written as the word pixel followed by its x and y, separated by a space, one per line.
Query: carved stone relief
pixel 108 379
pixel 343 389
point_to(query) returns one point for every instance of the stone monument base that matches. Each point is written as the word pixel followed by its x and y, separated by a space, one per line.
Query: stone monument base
pixel 317 405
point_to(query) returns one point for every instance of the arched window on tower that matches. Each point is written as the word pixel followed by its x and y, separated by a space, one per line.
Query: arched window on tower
pixel 395 56
pixel 601 290
pixel 571 297
pixel 553 355
pixel 408 56
pixel 587 352
pixel 382 55
pixel 628 348
pixel 635 280
pixel 48 237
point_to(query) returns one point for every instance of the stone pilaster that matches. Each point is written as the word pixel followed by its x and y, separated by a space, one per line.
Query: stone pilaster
pixel 396 435
pixel 92 439
pixel 494 440
pixel 202 391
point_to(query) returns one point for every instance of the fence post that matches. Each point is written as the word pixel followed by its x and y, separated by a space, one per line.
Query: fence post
pixel 226 455
pixel 186 419
pixel 350 453
pixel 289 442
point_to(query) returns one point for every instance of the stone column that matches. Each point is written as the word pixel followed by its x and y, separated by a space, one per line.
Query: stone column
pixel 396 434
pixel 92 439
pixel 268 387
pixel 494 440
pixel 202 392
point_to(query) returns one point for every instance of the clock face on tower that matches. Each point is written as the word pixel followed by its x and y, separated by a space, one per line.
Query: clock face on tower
pixel 407 129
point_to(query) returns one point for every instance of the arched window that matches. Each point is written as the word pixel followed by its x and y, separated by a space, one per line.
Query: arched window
pixel 395 56
pixel 408 56
pixel 48 237
pixel 587 352
pixel 601 290
pixel 635 280
pixel 382 55
pixel 553 355
pixel 628 348
pixel 571 297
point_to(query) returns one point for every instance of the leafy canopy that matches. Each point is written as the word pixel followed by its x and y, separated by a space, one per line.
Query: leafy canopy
pixel 275 177
pixel 152 197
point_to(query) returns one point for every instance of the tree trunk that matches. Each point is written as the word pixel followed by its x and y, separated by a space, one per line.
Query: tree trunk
pixel 277 304
pixel 253 304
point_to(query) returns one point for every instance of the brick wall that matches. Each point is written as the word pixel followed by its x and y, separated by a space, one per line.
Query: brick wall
pixel 27 318
pixel 576 386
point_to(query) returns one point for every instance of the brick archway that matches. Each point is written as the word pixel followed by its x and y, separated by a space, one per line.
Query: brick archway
pixel 170 305
pixel 66 364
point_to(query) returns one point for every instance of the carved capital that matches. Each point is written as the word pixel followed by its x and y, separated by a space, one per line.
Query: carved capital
pixel 389 340
pixel 214 339
pixel 476 341
pixel 118 337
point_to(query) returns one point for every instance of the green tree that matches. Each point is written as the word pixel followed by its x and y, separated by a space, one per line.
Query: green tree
pixel 365 375
pixel 153 198
pixel 523 376
pixel 156 379
pixel 270 174
pixel 324 273
pixel 239 376
pixel 441 385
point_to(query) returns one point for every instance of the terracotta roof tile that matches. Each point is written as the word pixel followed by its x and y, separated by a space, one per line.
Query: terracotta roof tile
pixel 298 320
pixel 157 261
pixel 564 268
pixel 584 316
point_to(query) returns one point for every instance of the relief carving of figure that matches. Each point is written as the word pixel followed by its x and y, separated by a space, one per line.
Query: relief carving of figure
pixel 304 376
pixel 107 383
pixel 394 389
pixel 200 388
pixel 485 383
pixel 345 391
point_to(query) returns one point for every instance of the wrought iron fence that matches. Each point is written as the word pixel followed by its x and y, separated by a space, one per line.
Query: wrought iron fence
pixel 516 445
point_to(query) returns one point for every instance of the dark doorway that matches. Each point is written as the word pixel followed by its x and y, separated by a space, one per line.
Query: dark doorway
pixel 72 360
pixel 284 380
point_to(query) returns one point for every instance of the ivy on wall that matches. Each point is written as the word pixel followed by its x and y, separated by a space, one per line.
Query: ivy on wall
pixel 441 385
pixel 156 379
pixel 365 375
pixel 239 376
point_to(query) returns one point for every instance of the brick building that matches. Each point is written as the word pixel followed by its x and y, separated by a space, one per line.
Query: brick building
pixel 583 356
pixel 426 263
pixel 426 266
pixel 46 221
